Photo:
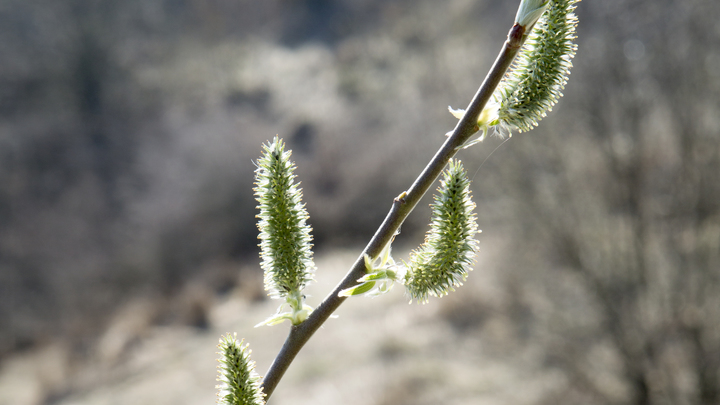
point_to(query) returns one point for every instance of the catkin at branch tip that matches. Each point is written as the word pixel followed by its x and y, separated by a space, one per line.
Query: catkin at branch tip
pixel 540 72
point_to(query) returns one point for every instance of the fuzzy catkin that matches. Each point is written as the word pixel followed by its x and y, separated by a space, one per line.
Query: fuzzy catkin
pixel 285 237
pixel 443 261
pixel 540 71
pixel 239 383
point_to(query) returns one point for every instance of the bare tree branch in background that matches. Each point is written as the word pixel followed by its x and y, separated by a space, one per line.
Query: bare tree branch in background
pixel 630 216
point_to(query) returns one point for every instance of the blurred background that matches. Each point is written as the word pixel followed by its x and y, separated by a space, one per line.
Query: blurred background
pixel 128 131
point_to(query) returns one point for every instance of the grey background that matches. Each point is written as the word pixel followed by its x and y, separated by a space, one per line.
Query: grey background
pixel 128 130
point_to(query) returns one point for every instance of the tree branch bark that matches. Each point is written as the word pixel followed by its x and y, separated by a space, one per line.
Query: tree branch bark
pixel 401 208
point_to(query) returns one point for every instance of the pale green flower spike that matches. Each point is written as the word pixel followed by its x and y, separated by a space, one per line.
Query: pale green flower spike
pixel 539 73
pixel 285 237
pixel 379 279
pixel 239 383
pixel 541 69
pixel 443 261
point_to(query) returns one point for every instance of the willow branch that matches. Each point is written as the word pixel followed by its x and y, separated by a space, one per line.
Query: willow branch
pixel 401 208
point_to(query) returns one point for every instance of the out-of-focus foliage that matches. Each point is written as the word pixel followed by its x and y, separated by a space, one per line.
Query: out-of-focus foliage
pixel 615 206
pixel 127 132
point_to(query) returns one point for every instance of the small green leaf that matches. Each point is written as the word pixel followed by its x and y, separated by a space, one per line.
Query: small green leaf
pixel 357 290
pixel 380 275
pixel 297 314
pixel 275 319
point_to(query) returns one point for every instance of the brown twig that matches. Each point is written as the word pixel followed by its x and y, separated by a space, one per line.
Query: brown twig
pixel 401 208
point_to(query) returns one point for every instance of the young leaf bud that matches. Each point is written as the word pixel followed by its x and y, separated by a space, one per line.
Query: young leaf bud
pixel 529 11
pixel 378 279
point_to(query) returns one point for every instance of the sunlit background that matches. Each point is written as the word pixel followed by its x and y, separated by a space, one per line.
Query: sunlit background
pixel 128 244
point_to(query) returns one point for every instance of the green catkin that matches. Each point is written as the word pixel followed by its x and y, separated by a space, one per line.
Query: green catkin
pixel 239 384
pixel 443 261
pixel 286 248
pixel 540 71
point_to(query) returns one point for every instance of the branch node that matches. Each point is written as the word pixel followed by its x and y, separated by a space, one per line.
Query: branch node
pixel 401 198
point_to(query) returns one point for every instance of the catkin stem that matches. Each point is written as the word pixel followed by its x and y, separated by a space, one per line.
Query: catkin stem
pixel 401 208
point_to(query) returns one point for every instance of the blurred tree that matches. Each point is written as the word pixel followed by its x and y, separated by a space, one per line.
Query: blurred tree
pixel 623 202
pixel 618 226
